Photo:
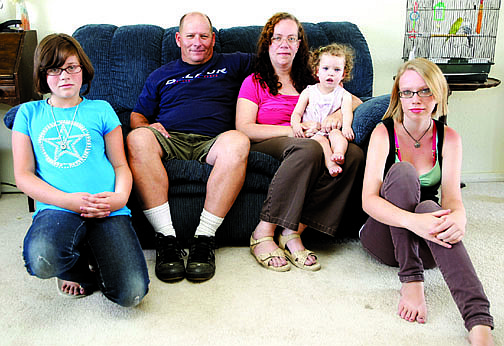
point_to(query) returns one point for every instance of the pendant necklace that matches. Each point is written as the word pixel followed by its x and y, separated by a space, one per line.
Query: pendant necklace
pixel 63 141
pixel 417 141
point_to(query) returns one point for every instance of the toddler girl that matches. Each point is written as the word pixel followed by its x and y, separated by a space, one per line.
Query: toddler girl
pixel 332 65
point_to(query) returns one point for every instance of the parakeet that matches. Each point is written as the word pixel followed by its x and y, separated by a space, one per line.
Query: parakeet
pixel 467 30
pixel 455 27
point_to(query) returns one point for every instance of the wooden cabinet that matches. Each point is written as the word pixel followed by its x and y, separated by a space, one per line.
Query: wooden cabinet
pixel 16 67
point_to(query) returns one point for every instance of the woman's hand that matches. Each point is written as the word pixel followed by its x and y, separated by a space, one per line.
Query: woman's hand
pixel 428 225
pixel 297 130
pixel 454 228
pixel 310 128
pixel 332 121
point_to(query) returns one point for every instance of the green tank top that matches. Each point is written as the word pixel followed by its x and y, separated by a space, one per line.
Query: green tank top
pixel 432 177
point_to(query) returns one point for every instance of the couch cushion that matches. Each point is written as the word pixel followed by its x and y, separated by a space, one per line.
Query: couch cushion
pixel 137 52
pixel 191 176
pixel 239 39
pixel 170 49
pixel 366 116
pixel 95 40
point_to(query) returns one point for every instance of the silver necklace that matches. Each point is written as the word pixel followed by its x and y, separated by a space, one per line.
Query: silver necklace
pixel 63 141
pixel 417 141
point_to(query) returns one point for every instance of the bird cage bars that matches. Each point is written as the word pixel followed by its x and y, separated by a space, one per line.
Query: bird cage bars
pixel 458 35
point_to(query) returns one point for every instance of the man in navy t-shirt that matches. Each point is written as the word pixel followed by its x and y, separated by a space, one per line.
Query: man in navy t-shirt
pixel 187 111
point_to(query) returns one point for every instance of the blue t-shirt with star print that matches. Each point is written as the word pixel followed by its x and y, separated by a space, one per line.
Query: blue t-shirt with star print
pixel 70 151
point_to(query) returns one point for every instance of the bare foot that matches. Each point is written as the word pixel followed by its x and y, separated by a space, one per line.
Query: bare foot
pixel 339 158
pixel 481 335
pixel 296 244
pixel 333 168
pixel 267 246
pixel 72 288
pixel 412 306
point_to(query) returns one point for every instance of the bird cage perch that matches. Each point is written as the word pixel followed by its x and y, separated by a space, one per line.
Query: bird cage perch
pixel 458 35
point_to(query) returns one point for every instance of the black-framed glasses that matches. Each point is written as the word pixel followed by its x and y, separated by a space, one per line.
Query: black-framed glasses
pixel 407 94
pixel 56 71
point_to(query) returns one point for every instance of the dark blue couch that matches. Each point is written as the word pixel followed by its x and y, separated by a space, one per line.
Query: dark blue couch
pixel 124 56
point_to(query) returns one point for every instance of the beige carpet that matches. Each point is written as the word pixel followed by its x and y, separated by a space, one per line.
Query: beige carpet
pixel 351 301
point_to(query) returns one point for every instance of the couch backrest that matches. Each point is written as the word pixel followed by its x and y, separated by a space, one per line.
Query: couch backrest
pixel 124 56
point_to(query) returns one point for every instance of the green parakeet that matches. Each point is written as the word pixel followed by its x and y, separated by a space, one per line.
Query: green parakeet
pixel 455 27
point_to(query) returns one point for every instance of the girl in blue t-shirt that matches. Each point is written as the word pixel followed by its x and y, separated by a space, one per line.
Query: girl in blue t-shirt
pixel 69 156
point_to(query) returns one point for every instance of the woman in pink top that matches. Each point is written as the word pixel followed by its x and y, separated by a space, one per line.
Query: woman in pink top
pixel 302 193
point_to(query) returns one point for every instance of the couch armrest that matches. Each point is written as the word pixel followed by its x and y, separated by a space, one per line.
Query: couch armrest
pixel 10 116
pixel 367 116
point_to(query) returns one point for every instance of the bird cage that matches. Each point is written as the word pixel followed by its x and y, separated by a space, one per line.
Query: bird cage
pixel 458 35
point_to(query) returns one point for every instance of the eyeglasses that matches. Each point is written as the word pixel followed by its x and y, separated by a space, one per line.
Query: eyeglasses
pixel 407 94
pixel 56 71
pixel 291 40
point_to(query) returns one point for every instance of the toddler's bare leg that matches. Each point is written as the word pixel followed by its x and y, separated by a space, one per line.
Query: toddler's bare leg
pixel 339 145
pixel 333 168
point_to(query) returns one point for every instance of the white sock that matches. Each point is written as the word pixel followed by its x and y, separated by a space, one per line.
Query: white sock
pixel 160 219
pixel 208 224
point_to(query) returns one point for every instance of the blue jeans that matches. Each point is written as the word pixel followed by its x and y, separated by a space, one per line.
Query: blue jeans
pixel 64 244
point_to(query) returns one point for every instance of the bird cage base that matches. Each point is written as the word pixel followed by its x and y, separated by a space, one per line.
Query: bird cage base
pixel 461 70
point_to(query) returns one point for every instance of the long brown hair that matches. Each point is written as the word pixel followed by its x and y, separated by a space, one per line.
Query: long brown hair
pixel 300 73
pixel 52 52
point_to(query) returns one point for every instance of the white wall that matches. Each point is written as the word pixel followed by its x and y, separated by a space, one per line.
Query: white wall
pixel 476 115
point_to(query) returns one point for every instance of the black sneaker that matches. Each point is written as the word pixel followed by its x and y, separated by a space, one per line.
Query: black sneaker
pixel 169 262
pixel 201 261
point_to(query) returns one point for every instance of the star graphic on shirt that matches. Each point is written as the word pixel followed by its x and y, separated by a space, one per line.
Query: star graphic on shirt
pixel 58 144
pixel 67 150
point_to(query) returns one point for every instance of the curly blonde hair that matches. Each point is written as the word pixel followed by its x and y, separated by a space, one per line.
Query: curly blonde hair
pixel 334 49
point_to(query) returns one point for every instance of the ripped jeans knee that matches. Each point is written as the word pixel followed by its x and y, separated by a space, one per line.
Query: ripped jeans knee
pixel 51 246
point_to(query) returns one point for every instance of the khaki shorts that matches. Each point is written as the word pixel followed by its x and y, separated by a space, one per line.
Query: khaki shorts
pixel 184 146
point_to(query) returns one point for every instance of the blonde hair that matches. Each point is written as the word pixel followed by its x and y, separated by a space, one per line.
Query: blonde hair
pixel 434 79
pixel 334 49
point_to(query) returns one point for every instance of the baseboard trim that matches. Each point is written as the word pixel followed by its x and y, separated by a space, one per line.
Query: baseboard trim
pixel 482 177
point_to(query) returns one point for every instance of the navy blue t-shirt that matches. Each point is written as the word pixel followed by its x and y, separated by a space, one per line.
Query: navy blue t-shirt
pixel 199 99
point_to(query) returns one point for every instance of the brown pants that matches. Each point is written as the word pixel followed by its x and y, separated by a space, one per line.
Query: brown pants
pixel 302 189
pixel 400 247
